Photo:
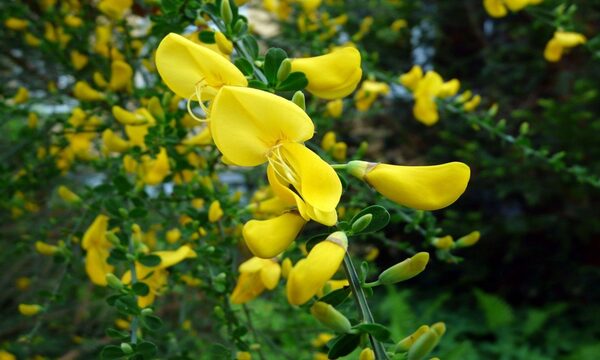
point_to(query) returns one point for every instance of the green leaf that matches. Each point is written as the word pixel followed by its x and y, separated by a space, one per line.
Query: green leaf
pixel 112 352
pixel 381 217
pixel 138 212
pixel 273 59
pixel 257 84
pixel 127 305
pixel 496 311
pixel 244 65
pixel 149 260
pixel 116 334
pixel 170 6
pixel 218 351
pixel 122 184
pixel 294 82
pixel 152 322
pixel 141 289
pixel 207 37
pixel 344 345
pixel 250 43
pixel 336 297
pixel 147 349
pixel 378 331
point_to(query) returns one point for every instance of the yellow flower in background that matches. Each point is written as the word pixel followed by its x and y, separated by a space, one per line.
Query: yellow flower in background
pixel 32 40
pixel 67 195
pixel 333 75
pixel 83 91
pixel 251 127
pixel 335 108
pixel 561 41
pixel 115 9
pixel 113 142
pixel 78 59
pixel 256 275
pixel 243 355
pixel 418 187
pixel 215 213
pixel 157 277
pixel 120 76
pixel 367 354
pixel 499 8
pixel 30 309
pixel 193 71
pixel 73 21
pixel 46 249
pixel 411 79
pixel 136 124
pixel 98 249
pixel 21 96
pixel 269 238
pixel 425 108
pixel 309 275
pixel 16 24
pixel 368 93
pixel 472 104
pixel 154 170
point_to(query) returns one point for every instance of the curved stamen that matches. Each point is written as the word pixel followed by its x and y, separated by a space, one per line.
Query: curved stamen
pixel 281 167
pixel 198 89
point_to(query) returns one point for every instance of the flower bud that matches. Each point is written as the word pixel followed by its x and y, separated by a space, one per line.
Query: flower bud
pixel 443 243
pixel 330 317
pixel 423 345
pixel 126 348
pixel 284 69
pixel 407 342
pixel 405 270
pixel 83 91
pixel 361 223
pixel 226 12
pixel 215 213
pixel 147 311
pixel 367 354
pixel 439 328
pixel 224 45
pixel 30 309
pixel 468 240
pixel 299 99
pixel 113 282
pixel 46 249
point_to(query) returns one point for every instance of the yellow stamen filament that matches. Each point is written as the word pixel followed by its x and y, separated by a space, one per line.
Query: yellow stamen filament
pixel 281 167
pixel 197 94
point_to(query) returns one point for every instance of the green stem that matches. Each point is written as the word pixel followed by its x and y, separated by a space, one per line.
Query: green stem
pixel 361 303
pixel 339 166
pixel 134 320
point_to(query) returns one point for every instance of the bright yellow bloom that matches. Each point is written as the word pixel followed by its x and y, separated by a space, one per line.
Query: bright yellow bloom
pixel 113 142
pixel 443 243
pixel 335 108
pixel 16 24
pixel 202 138
pixel 417 187
pixel 329 140
pixel 215 213
pixel 120 76
pixel 115 9
pixel 21 96
pixel 83 91
pixel 193 71
pixel 251 127
pixel 368 93
pixel 136 124
pixel 468 240
pixel 562 41
pixel 157 277
pixel 78 60
pixel 155 170
pixel 173 235
pixel 499 8
pixel 411 79
pixel 30 309
pixel 321 340
pixel 98 249
pixel 269 238
pixel 256 275
pixel 310 274
pixel 333 75
pixel 425 109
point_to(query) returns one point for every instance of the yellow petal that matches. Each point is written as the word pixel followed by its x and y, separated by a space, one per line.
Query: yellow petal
pixel 182 64
pixel 120 76
pixel 254 264
pixel 495 8
pixel 83 91
pixel 170 258
pixel 202 138
pixel 247 288
pixel 333 75
pixel 516 5
pixel 425 111
pixel 96 266
pixel 310 274
pixel 96 233
pixel 411 79
pixel 553 51
pixel 155 170
pixel 569 39
pixel 246 123
pixel 113 142
pixel 319 185
pixel 215 213
pixel 28 310
pixel 270 274
pixel 420 187
pixel 268 238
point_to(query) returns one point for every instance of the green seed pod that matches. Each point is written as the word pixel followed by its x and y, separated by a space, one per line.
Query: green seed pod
pixel 226 13
pixel 330 317
pixel 284 69
pixel 468 240
pixel 361 223
pixel 405 270
pixel 423 345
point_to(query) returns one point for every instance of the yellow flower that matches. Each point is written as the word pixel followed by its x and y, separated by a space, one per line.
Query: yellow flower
pixel 472 104
pixel 335 108
pixel 269 238
pixel 201 138
pixel 444 243
pixel 243 355
pixel 561 41
pixel 411 79
pixel 418 187
pixel 155 170
pixel 32 40
pixel 30 309
pixel 367 354
pixel 173 235
pixel 251 127
pixel 333 75
pixel 321 340
pixel 115 9
pixel 78 60
pixel 136 124
pixel 22 283
pixel 368 93
pixel 215 213
pixel 113 142
pixel 425 108
pixel 256 275
pixel 193 71
pixel 46 249
pixel 83 91
pixel 157 277
pixel 449 88
pixel 495 8
pixel 329 140
pixel 16 24
pixel 224 45
pixel 67 195
pixel 21 96
pixel 310 274
pixel 73 21
pixel 120 76
pixel 98 249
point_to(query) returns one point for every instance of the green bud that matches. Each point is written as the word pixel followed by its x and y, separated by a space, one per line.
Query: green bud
pixel 284 69
pixel 240 27
pixel 524 128
pixel 113 282
pixel 147 311
pixel 361 223
pixel 405 344
pixel 423 345
pixel 112 238
pixel 123 212
pixel 218 311
pixel 468 240
pixel 405 270
pixel 439 328
pixel 127 349
pixel 226 13
pixel 299 100
pixel 330 317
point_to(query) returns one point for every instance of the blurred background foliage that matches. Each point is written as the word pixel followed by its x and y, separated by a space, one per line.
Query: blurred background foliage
pixel 527 290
